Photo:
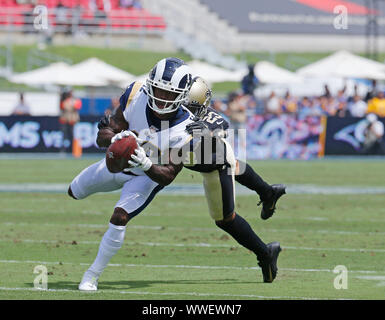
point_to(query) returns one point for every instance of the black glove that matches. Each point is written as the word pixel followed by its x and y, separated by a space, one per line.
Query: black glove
pixel 198 128
pixel 104 122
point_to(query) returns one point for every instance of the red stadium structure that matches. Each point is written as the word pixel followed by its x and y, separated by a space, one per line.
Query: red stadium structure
pixel 79 14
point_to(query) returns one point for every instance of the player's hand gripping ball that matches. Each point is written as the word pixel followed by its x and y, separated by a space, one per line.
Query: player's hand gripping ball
pixel 119 153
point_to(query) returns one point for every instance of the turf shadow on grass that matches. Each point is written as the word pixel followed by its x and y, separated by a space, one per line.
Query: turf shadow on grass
pixel 136 284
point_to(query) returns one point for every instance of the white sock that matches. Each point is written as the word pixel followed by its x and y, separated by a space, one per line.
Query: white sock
pixel 111 242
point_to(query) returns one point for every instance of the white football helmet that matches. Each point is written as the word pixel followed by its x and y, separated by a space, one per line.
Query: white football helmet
pixel 199 97
pixel 173 77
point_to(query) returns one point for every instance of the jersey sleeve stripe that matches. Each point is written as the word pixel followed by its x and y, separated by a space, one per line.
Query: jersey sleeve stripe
pixel 134 90
pixel 128 95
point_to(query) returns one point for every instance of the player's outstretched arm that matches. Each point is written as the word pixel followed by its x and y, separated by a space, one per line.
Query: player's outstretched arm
pixel 162 174
pixel 109 127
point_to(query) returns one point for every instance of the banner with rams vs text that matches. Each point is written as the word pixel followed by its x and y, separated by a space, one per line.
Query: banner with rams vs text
pixel 43 134
pixel 268 137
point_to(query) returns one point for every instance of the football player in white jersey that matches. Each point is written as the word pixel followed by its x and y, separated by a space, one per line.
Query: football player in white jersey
pixel 154 112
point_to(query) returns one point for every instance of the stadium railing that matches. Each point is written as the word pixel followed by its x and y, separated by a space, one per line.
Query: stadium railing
pixel 118 21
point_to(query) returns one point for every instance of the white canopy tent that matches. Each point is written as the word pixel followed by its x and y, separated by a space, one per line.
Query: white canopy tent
pixel 345 65
pixel 209 72
pixel 95 68
pixel 213 74
pixel 313 87
pixel 41 76
pixel 268 73
pixel 142 78
pixel 70 77
pixel 91 72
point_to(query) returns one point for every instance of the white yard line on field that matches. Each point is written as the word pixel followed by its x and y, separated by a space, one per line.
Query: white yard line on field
pixel 155 266
pixel 195 294
pixel 160 228
pixel 197 189
pixel 202 244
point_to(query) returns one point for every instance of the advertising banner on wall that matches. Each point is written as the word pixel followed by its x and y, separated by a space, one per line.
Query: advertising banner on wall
pixel 43 134
pixel 284 137
pixel 351 136
pixel 267 137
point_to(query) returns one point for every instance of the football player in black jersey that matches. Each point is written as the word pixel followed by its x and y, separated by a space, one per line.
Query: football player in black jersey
pixel 210 123
pixel 219 173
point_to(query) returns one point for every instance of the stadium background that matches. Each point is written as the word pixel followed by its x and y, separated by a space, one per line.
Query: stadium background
pixel 277 39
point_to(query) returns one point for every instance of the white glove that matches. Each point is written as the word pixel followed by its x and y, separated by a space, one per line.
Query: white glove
pixel 122 135
pixel 140 160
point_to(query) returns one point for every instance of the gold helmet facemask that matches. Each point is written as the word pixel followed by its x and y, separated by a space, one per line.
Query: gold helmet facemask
pixel 199 97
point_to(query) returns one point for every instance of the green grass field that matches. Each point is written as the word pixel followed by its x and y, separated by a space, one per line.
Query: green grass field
pixel 173 250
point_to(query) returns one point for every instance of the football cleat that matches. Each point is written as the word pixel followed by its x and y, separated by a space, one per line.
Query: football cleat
pixel 269 266
pixel 269 204
pixel 89 282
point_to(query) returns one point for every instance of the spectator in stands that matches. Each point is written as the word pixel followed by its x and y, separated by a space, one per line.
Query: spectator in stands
pixel 238 117
pixel 61 12
pixel 310 108
pixel 69 116
pixel 373 134
pixel 324 103
pixel 289 104
pixel 377 104
pixel 249 82
pixel 21 109
pixel 303 105
pixel 273 104
pixel 372 93
pixel 237 111
pixel 358 107
pixel 251 105
pixel 342 101
pixel 341 95
pixel 222 109
pixel 327 93
pixel 341 109
pixel 331 107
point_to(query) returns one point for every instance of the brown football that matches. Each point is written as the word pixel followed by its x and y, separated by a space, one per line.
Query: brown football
pixel 119 152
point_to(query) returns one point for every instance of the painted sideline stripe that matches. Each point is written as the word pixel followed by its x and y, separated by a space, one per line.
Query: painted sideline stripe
pixel 80 225
pixel 202 244
pixel 156 266
pixel 196 294
pixel 197 189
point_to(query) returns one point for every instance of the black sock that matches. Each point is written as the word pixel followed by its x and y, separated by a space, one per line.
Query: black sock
pixel 241 231
pixel 250 179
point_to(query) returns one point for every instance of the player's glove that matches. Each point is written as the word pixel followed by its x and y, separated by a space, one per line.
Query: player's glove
pixel 122 135
pixel 198 128
pixel 104 122
pixel 140 160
